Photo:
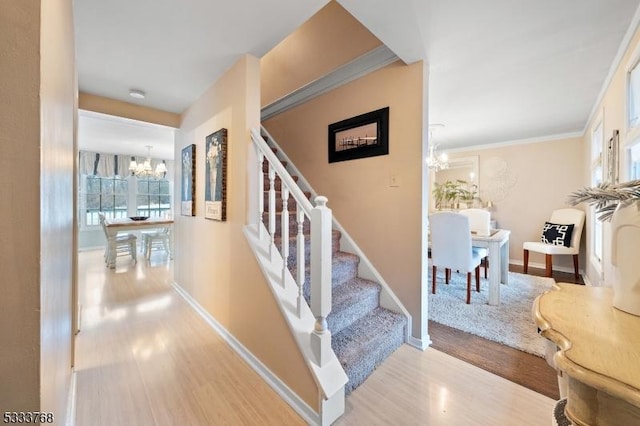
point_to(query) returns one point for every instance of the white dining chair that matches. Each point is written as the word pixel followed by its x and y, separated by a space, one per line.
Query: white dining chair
pixel 157 240
pixel 479 221
pixel 549 248
pixel 480 224
pixel 451 248
pixel 118 245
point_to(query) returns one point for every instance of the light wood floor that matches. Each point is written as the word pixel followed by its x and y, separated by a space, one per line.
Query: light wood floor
pixel 145 358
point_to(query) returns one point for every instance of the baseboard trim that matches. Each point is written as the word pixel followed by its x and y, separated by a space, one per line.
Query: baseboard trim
pixel 586 280
pixel 289 396
pixel 543 266
pixel 71 402
pixel 421 344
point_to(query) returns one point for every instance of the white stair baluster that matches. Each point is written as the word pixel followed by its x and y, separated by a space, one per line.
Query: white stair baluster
pixel 260 191
pixel 272 207
pixel 300 257
pixel 321 280
pixel 285 231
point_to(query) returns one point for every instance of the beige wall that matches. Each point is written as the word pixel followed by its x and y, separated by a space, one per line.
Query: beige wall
pixel 20 212
pixel 526 182
pixel 384 221
pixel 36 165
pixel 331 38
pixel 58 92
pixel 109 106
pixel 213 260
pixel 612 111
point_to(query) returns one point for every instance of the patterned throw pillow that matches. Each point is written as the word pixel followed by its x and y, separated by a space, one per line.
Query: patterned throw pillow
pixel 557 234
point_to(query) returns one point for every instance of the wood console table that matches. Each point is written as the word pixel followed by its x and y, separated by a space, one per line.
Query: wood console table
pixel 597 353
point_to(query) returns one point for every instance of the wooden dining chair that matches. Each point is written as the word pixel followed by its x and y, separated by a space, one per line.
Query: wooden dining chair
pixel 118 245
pixel 159 240
pixel 451 248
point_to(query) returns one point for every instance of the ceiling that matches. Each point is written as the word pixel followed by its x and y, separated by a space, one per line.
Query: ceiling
pixel 500 70
pixel 114 135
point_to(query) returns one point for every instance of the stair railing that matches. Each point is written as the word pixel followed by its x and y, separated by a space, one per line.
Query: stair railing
pixel 320 219
pixel 366 268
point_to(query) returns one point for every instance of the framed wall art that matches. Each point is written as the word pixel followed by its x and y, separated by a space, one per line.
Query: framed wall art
pixel 188 181
pixel 365 135
pixel 215 199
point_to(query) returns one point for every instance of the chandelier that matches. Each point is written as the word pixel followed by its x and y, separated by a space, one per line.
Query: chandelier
pixel 436 161
pixel 144 169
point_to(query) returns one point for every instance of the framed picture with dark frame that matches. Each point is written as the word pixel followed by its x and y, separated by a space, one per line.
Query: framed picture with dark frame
pixel 188 181
pixel 215 198
pixel 366 135
pixel 612 158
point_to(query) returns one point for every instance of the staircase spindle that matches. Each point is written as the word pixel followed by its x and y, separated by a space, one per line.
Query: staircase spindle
pixel 260 192
pixel 300 258
pixel 321 280
pixel 285 231
pixel 272 207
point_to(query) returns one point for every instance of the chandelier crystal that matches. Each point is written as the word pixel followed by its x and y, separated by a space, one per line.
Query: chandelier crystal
pixel 144 169
pixel 436 161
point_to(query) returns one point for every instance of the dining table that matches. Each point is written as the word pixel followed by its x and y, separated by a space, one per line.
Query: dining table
pixel 115 225
pixel 497 243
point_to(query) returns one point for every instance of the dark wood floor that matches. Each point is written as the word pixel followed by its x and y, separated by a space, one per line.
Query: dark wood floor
pixel 520 367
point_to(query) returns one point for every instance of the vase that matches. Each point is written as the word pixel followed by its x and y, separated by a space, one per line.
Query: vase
pixel 625 237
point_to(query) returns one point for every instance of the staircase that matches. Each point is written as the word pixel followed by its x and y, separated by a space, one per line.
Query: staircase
pixel 363 334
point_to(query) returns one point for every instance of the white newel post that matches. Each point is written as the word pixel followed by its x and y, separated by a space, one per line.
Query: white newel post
pixel 260 191
pixel 285 231
pixel 272 207
pixel 321 279
pixel 300 258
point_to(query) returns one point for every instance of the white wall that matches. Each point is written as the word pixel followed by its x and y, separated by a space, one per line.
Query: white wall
pixel 612 111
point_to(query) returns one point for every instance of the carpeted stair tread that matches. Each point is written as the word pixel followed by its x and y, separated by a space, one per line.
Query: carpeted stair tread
pixel 362 346
pixel 277 182
pixel 293 245
pixel 291 202
pixel 344 266
pixel 265 165
pixel 352 301
pixel 363 333
pixel 279 196
pixel 293 224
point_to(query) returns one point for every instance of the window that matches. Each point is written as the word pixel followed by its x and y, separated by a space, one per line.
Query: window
pixel 597 143
pixel 106 185
pixel 153 197
pixel 634 160
pixel 634 96
pixel 103 194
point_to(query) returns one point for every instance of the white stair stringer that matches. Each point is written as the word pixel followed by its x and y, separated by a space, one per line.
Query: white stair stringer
pixel 331 378
pixel 388 298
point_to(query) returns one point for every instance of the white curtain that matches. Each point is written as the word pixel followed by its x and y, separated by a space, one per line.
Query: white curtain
pixel 104 165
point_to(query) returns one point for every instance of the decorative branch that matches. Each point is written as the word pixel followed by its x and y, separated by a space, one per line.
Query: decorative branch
pixel 606 197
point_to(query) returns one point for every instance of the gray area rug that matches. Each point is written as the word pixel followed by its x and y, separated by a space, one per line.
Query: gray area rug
pixel 510 323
